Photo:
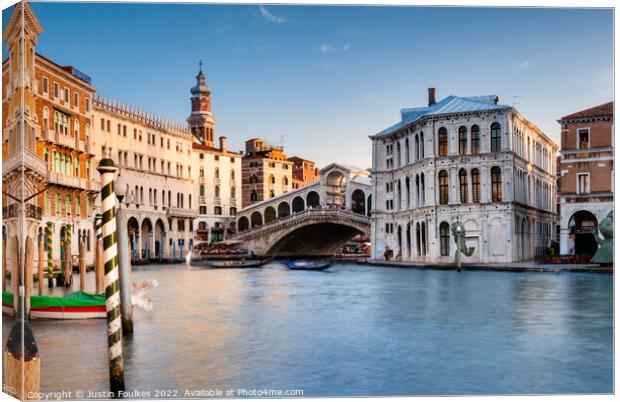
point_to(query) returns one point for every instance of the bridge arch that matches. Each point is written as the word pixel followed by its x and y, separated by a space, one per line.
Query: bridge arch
pixel 313 200
pixel 270 214
pixel 243 224
pixel 284 209
pixel 335 188
pixel 256 219
pixel 358 202
pixel 298 204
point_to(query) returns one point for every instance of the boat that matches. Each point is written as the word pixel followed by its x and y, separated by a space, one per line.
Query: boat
pixel 231 263
pixel 76 305
pixel 308 265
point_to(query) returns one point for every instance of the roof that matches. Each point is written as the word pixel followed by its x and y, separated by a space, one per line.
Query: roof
pixel 606 109
pixel 364 180
pixel 450 104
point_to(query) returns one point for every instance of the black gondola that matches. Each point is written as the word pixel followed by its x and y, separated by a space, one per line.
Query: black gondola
pixel 308 265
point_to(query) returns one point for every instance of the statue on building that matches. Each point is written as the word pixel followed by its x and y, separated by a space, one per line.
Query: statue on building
pixel 458 232
pixel 605 252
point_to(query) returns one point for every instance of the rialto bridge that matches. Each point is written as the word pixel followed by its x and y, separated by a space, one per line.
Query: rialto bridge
pixel 314 220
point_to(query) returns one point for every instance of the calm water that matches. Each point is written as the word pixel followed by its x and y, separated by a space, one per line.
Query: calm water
pixel 352 330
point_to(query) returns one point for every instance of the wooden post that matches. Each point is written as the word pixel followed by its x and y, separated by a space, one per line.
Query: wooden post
pixel 107 169
pixel 98 256
pixel 41 264
pixel 82 265
pixel 21 358
pixel 50 256
pixel 15 272
pixel 28 273
pixel 68 274
pixel 3 261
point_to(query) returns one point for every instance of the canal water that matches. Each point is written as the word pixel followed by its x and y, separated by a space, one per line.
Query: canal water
pixel 350 331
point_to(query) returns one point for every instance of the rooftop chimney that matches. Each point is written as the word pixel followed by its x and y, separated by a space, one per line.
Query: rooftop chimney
pixel 223 141
pixel 431 97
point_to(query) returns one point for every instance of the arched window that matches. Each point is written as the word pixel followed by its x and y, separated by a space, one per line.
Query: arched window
pixel 217 191
pixel 77 205
pixel 407 151
pixel 76 128
pixel 496 138
pixel 217 173
pixel 253 196
pixel 272 179
pixel 46 118
pixel 462 140
pixel 285 181
pixel 496 184
pixel 417 239
pixel 443 187
pixel 444 238
pixel 398 160
pixel 421 146
pixel 57 204
pixel 417 148
pixel 232 174
pixel 463 185
pixel 475 185
pixel 47 202
pixel 68 205
pixel 201 173
pixel 475 140
pixel 202 190
pixel 442 141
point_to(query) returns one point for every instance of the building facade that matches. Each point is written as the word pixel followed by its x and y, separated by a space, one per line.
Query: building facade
pixel 267 172
pixel 466 159
pixel 153 156
pixel 304 171
pixel 586 175
pixel 58 108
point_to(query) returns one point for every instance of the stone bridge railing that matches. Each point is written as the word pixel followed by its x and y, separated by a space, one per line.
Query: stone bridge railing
pixel 337 215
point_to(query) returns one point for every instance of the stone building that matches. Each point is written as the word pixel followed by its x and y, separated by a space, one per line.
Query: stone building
pixel 216 173
pixel 267 172
pixel 304 171
pixel 467 159
pixel 586 176
pixel 57 112
pixel 153 156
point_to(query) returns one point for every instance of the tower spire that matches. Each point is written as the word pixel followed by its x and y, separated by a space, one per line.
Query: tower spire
pixel 201 122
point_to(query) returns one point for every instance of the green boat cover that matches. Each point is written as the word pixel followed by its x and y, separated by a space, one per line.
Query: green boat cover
pixel 75 299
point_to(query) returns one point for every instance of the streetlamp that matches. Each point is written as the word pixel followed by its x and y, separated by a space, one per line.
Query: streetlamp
pixel 120 189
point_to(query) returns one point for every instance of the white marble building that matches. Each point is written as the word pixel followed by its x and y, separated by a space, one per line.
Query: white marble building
pixel 466 159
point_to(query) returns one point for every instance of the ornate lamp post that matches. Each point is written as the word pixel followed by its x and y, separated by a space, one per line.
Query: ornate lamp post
pixel 123 256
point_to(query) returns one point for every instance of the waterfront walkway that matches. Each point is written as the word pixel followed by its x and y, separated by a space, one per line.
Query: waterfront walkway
pixel 522 266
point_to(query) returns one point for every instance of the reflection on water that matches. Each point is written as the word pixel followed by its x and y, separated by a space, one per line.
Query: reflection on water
pixel 352 330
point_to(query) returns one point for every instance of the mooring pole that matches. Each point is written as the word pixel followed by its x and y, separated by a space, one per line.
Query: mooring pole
pixel 123 267
pixel 28 272
pixel 107 169
pixel 3 261
pixel 50 256
pixel 98 256
pixel 82 264
pixel 68 274
pixel 41 263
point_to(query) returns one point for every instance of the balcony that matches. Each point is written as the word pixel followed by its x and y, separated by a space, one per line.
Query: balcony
pixel 12 211
pixel 172 212
pixel 69 181
pixel 65 140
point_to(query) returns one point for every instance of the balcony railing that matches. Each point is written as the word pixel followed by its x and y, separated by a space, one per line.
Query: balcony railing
pixel 12 211
pixel 69 181
pixel 30 161
pixel 181 212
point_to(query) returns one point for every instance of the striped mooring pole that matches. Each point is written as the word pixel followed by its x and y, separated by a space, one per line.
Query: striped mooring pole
pixel 98 256
pixel 50 256
pixel 107 169
pixel 68 273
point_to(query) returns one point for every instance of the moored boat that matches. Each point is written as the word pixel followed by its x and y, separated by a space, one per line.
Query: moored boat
pixel 77 305
pixel 242 263
pixel 308 265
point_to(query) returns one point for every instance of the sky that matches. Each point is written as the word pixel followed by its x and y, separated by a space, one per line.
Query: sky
pixel 321 79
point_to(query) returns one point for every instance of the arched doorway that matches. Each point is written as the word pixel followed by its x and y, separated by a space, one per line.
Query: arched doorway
pixel 256 219
pixel 313 200
pixel 582 225
pixel 133 232
pixel 369 202
pixel 335 189
pixel 243 224
pixel 146 232
pixel 284 209
pixel 358 202
pixel 160 239
pixel 270 214
pixel 298 204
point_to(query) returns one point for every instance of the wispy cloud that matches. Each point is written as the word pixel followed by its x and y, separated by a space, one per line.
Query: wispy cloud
pixel 268 16
pixel 523 64
pixel 329 48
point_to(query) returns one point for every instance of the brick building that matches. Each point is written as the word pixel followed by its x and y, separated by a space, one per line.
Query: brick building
pixel 267 171
pixel 304 171
pixel 586 176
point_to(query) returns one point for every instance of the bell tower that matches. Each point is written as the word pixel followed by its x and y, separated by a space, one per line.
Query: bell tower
pixel 201 121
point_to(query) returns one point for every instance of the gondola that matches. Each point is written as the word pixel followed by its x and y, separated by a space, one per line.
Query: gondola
pixel 230 263
pixel 308 265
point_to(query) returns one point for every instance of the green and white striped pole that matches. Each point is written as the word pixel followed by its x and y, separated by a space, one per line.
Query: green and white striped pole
pixel 68 273
pixel 98 256
pixel 50 256
pixel 107 169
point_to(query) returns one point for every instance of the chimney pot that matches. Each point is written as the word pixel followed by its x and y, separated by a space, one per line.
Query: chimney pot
pixel 431 97
pixel 223 141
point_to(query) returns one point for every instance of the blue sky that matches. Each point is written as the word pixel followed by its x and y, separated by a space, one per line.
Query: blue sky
pixel 324 78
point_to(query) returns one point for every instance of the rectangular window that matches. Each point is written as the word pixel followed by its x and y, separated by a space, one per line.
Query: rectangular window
pixel 102 124
pixel 108 126
pixel 583 183
pixel 45 85
pixel 76 99
pixel 583 138
pixel 124 131
pixel 66 97
pixel 87 104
